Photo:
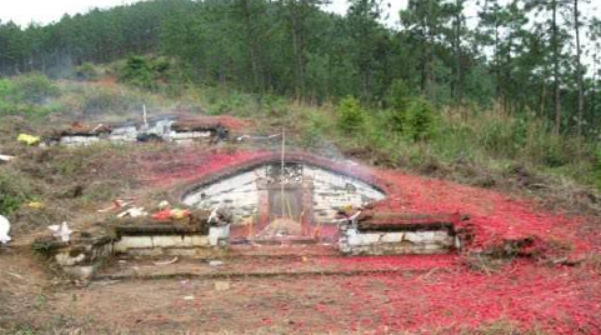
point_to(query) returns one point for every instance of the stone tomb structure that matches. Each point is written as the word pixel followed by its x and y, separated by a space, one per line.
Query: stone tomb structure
pixel 173 129
pixel 293 201
pixel 305 200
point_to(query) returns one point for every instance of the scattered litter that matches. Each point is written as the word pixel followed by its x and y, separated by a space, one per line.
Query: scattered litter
pixel 163 215
pixel 6 158
pixel 133 212
pixel 215 263
pixel 14 275
pixel 63 231
pixel 179 214
pixel 97 127
pixel 219 216
pixel 28 139
pixel 171 261
pixel 167 214
pixel 4 229
pixel 222 285
pixel 257 138
pixel 122 262
pixel 35 205
pixel 116 205
pixel 164 205
pixel 189 297
pixel 106 282
pixel 213 215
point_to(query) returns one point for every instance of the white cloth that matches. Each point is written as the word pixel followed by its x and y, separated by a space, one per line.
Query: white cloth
pixel 63 232
pixel 4 229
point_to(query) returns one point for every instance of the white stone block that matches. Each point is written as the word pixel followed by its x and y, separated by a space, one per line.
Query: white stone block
pixel 64 259
pixel 218 233
pixel 79 272
pixel 393 237
pixel 78 140
pixel 132 242
pixel 200 241
pixel 170 241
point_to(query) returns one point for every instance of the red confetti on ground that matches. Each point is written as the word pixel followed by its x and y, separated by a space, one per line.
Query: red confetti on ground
pixel 558 299
pixel 552 299
pixel 496 218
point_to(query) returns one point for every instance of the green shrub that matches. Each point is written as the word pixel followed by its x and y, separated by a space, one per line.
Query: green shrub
pixel 27 95
pixel 557 151
pixel 6 89
pixel 421 120
pixel 314 130
pixel 398 100
pixel 34 89
pixel 87 71
pixel 160 67
pixel 137 72
pixel 15 191
pixel 597 168
pixel 6 92
pixel 502 136
pixel 276 106
pixel 351 117
pixel 106 100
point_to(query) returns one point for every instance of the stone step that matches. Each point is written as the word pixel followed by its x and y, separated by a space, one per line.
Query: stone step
pixel 282 250
pixel 272 267
pixel 253 274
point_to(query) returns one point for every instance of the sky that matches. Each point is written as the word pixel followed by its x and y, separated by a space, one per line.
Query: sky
pixel 24 12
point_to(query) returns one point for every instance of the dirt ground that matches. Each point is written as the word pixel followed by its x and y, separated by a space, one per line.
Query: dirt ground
pixel 442 297
pixel 553 288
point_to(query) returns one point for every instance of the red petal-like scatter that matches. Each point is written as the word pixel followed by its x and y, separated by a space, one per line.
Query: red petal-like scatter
pixel 496 218
pixel 558 299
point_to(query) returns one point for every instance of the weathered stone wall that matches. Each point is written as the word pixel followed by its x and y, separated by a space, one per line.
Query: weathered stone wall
pixel 161 130
pixel 355 242
pixel 79 259
pixel 160 244
pixel 332 191
pixel 172 244
pixel 241 193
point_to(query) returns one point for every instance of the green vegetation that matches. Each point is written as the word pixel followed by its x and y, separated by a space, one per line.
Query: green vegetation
pixel 137 72
pixel 350 116
pixel 15 191
pixel 410 132
pixel 399 97
pixel 87 71
pixel 516 54
pixel 420 120
pixel 30 94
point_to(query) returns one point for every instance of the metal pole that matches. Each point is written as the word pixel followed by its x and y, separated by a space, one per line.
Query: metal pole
pixel 282 173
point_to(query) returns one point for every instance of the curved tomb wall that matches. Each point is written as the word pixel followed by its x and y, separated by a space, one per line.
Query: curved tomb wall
pixel 244 193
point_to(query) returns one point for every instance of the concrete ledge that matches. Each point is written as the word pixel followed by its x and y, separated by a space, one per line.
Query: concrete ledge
pixel 423 241
pixel 268 274
pixel 127 243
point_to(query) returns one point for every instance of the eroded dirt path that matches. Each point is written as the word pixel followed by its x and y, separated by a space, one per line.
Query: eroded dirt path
pixel 559 300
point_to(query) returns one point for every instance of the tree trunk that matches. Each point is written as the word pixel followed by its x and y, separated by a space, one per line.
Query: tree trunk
pixel 579 69
pixel 297 48
pixel 251 44
pixel 458 72
pixel 594 88
pixel 555 43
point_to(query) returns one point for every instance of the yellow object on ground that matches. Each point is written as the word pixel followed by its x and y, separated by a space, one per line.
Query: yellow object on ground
pixel 35 205
pixel 179 214
pixel 28 139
